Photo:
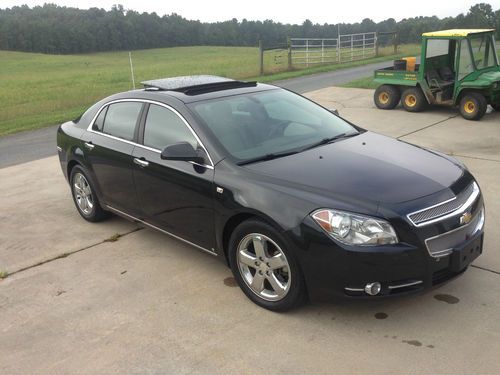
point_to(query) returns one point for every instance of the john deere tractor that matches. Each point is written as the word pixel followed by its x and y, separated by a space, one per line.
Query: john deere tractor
pixel 457 68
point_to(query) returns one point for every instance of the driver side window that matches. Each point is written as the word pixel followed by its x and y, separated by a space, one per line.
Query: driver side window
pixel 164 127
pixel 465 63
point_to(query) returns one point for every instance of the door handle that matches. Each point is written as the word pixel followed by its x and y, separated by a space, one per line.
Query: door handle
pixel 89 145
pixel 141 163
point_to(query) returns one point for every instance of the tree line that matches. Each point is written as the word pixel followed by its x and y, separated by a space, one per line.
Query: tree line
pixel 62 30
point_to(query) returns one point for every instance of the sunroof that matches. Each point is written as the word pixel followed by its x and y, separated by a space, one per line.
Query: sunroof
pixel 178 83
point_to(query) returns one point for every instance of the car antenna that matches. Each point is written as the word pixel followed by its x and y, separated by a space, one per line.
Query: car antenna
pixel 131 68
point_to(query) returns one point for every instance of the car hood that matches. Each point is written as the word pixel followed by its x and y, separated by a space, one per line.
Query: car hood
pixel 368 167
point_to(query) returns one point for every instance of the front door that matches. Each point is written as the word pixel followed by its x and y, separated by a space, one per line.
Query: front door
pixel 175 196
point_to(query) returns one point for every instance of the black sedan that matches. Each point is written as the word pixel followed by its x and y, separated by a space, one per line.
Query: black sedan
pixel 296 200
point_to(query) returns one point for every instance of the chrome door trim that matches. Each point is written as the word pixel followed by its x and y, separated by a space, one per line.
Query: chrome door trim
pixel 141 163
pixel 89 145
pixel 211 252
pixel 89 128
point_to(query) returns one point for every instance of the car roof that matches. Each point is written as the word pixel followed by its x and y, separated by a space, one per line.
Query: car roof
pixel 190 89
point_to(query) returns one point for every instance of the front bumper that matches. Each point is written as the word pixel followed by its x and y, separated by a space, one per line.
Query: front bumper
pixel 332 269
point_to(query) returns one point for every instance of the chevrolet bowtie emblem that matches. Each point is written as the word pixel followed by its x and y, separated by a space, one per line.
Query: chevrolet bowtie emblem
pixel 465 218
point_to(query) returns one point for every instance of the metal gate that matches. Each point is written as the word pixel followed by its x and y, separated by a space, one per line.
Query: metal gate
pixel 351 47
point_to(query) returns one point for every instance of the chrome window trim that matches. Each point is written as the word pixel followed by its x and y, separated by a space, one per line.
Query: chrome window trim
pixel 444 252
pixel 211 252
pixel 461 209
pixel 89 128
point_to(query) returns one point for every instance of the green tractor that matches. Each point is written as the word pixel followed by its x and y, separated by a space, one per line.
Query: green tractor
pixel 457 68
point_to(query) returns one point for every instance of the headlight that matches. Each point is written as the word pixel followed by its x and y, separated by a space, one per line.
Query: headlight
pixel 354 229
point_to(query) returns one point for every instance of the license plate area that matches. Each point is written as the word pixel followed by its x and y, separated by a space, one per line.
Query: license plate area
pixel 462 256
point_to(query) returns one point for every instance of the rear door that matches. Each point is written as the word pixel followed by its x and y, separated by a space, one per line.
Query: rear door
pixel 175 196
pixel 108 148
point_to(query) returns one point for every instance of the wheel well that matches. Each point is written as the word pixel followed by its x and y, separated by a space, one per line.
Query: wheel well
pixel 71 165
pixel 469 91
pixel 232 223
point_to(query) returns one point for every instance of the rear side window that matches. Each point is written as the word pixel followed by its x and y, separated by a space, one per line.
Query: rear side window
pixel 99 121
pixel 163 128
pixel 120 119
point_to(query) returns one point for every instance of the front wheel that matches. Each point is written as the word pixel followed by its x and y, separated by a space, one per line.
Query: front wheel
pixel 264 268
pixel 473 106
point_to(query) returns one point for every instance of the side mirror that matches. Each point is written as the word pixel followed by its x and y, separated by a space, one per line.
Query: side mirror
pixel 334 111
pixel 182 151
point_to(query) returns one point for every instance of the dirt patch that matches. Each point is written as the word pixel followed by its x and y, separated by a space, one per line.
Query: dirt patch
pixel 381 315
pixel 448 298
pixel 230 281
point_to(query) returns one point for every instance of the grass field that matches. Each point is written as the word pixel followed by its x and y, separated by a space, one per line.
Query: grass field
pixel 40 90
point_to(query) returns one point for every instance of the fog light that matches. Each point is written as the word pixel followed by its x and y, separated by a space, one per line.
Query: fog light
pixel 373 288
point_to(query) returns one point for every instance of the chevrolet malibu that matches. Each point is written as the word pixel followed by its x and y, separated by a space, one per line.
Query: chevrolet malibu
pixel 297 201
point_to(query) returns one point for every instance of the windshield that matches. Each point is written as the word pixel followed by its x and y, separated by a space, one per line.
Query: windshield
pixel 483 51
pixel 272 122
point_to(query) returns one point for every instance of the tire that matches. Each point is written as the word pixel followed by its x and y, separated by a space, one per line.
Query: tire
pixel 84 196
pixel 413 100
pixel 386 97
pixel 473 106
pixel 270 263
pixel 496 106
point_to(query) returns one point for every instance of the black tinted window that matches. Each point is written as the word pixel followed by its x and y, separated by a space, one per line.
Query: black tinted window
pixel 164 127
pixel 99 121
pixel 121 119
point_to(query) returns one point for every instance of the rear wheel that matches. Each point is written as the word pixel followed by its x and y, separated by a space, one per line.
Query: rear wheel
pixel 496 106
pixel 386 97
pixel 413 100
pixel 473 106
pixel 264 268
pixel 84 196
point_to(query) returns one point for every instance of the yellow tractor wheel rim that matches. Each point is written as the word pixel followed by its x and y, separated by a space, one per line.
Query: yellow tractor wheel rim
pixel 469 107
pixel 410 100
pixel 383 98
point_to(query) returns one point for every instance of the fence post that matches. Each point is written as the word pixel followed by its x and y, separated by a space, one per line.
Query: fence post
pixel 307 52
pixel 395 38
pixel 261 58
pixel 322 51
pixel 376 44
pixel 338 48
pixel 289 43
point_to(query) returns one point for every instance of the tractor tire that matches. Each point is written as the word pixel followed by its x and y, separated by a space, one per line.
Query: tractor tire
pixel 386 97
pixel 413 100
pixel 473 106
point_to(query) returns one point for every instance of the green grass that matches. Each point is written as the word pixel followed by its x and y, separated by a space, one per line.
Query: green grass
pixel 40 90
pixel 362 83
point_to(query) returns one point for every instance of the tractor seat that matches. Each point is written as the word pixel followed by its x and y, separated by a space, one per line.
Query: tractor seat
pixel 436 81
pixel 446 74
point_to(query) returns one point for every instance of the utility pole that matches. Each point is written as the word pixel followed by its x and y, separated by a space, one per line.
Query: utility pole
pixel 131 69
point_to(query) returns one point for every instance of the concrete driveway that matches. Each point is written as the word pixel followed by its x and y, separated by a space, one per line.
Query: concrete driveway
pixel 116 298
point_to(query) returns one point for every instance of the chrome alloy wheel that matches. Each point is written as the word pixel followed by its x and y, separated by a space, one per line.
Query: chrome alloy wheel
pixel 264 267
pixel 83 194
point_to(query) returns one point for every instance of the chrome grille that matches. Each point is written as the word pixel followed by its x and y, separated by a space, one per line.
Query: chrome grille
pixel 428 214
pixel 444 243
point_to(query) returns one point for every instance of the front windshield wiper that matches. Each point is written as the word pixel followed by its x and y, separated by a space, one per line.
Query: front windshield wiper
pixel 324 141
pixel 272 156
